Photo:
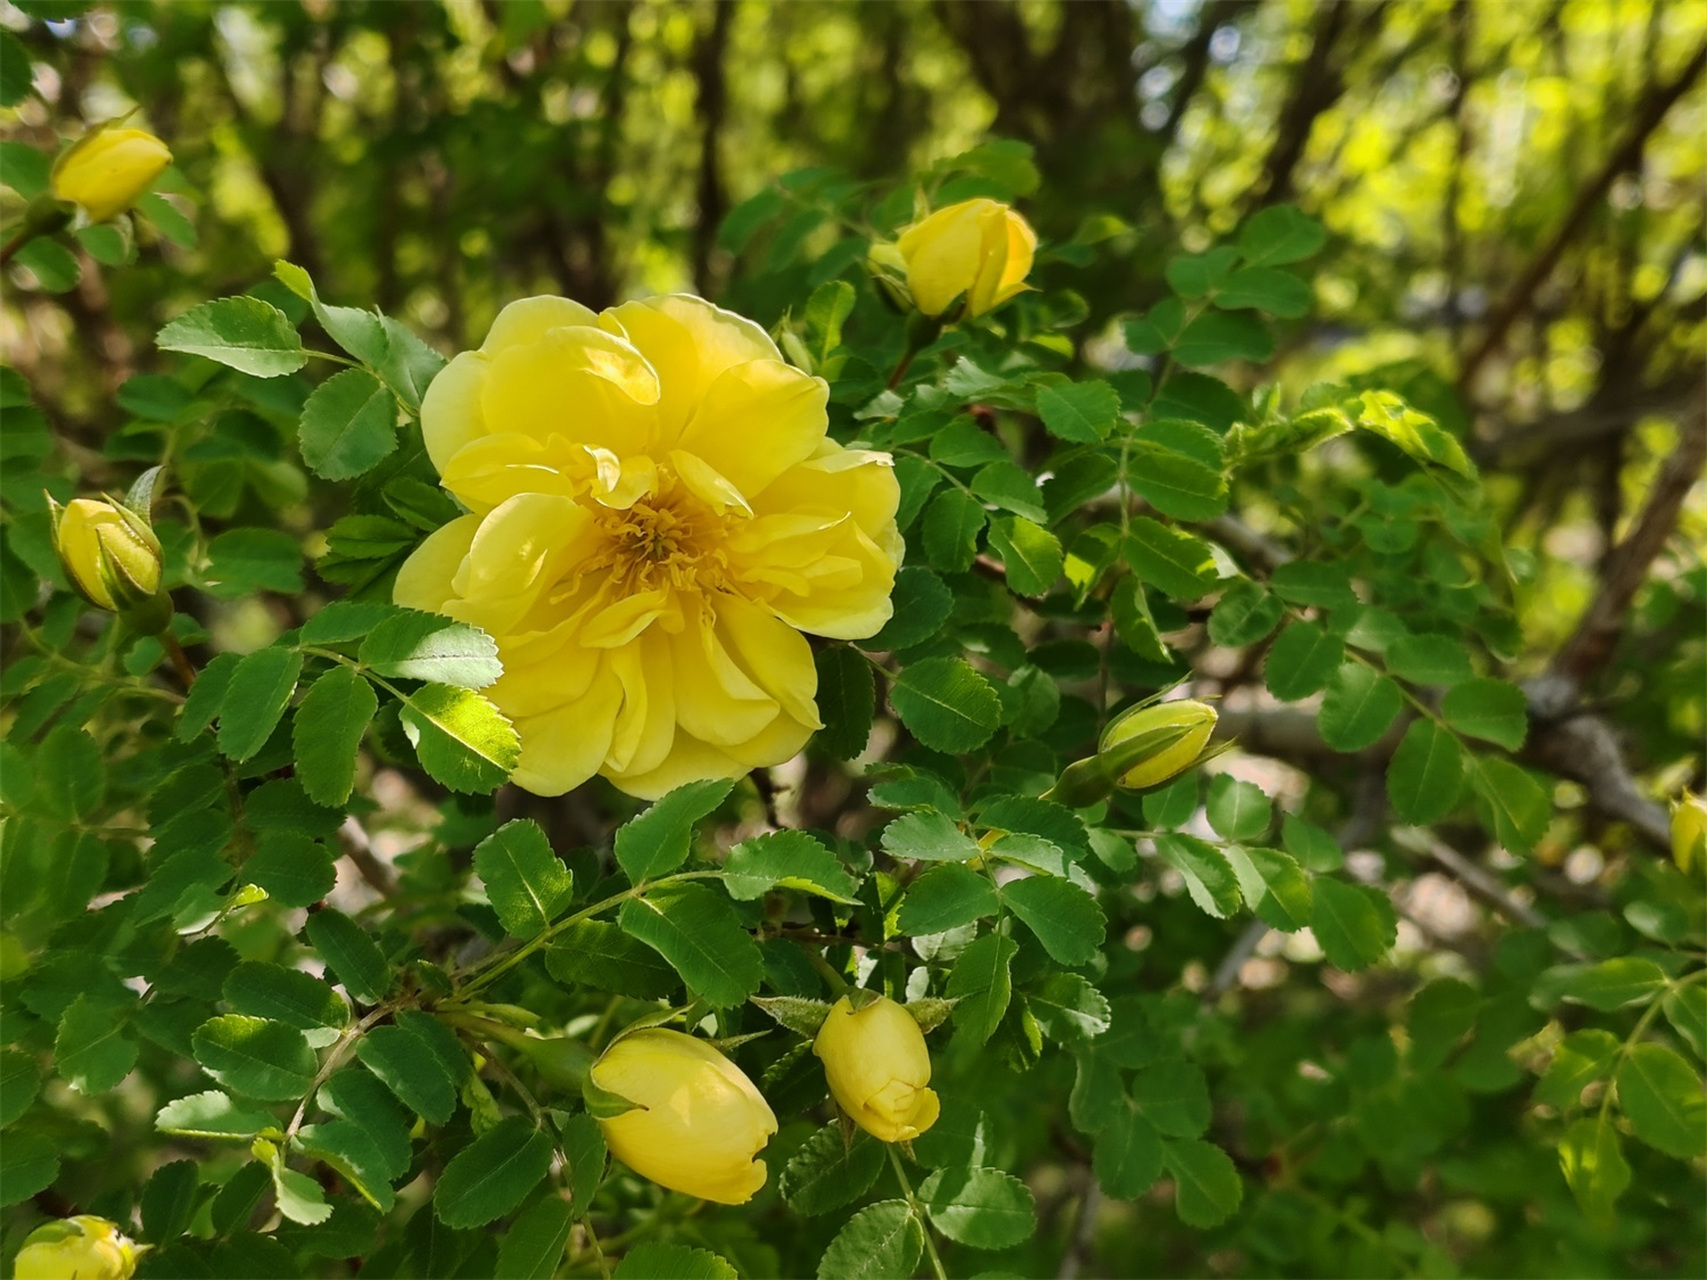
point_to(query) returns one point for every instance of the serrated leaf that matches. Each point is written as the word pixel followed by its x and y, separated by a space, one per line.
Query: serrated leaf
pixel 493 1174
pixel 1209 879
pixel 255 700
pixel 946 704
pixel 1238 810
pixel 1173 1097
pixel 1279 293
pixel 526 882
pixel 255 1057
pixel 1582 1058
pixel 462 740
pixel 1606 985
pixel 411 645
pixel 1279 234
pixel 1069 1008
pixel 169 1200
pixel 1217 336
pixel 1429 659
pixel 984 1208
pixel 294 870
pixel 982 983
pixel 1065 919
pixel 828 1172
pixel 409 1068
pixel 290 996
pixel 655 1260
pixel 1207 1187
pixel 695 929
pixel 533 1247
pixel 1301 661
pixel 348 425
pixel 1031 555
pixel 1516 808
pixel 1686 1009
pixel 1178 564
pixel 928 836
pixel 1489 709
pixel 1127 1155
pixel 1359 707
pixel 211 1114
pixel 791 859
pixel 91 1051
pixel 656 840
pixel 1273 885
pixel 30 1164
pixel 800 1015
pixel 881 1241
pixel 946 897
pixel 1083 412
pixel 1425 778
pixel 246 334
pixel 20 1082
pixel 922 603
pixel 598 954
pixel 1592 1159
pixel 847 699
pixel 351 953
pixel 950 530
pixel 327 732
pixel 1354 924
pixel 1183 487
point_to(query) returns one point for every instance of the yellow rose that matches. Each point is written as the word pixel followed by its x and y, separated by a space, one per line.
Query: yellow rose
pixel 656 514
pixel 979 248
pixel 699 1124
pixel 1148 745
pixel 80 1248
pixel 109 552
pixel 878 1067
pixel 1689 831
pixel 109 169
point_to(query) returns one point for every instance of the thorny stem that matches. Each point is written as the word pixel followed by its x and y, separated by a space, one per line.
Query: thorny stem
pixel 912 1202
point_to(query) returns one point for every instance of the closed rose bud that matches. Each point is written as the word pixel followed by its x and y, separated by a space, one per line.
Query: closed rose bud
pixel 109 552
pixel 878 1067
pixel 84 1247
pixel 698 1123
pixel 1148 745
pixel 979 249
pixel 1689 832
pixel 109 170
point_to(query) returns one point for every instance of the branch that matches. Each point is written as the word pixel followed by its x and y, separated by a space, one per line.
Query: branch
pixel 1473 876
pixel 1627 155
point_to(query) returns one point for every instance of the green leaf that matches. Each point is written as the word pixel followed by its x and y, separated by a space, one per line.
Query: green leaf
pixel 791 859
pixel 950 530
pixel 946 897
pixel 1208 876
pixel 1176 485
pixel 247 334
pixel 1358 708
pixel 19 1084
pixel 1686 1009
pixel 1312 582
pixel 928 836
pixel 1179 565
pixel 1216 336
pixel 408 1067
pixel 1515 806
pixel 1301 661
pixel 244 561
pixel 1174 1097
pixel 597 954
pixel 946 704
pixel 526 882
pixel 1274 886
pixel 800 1015
pixel 1430 659
pixel 1195 275
pixel 411 645
pixel 493 1174
pixel 922 604
pixel 1592 1158
pixel 91 1052
pixel 1066 919
pixel 1279 234
pixel 654 1260
pixel 255 1057
pixel 1280 293
pixel 1006 485
pixel 29 1165
pixel 53 265
pixel 1440 1014
pixel 1582 1058
pixel 290 996
pixel 847 697
pixel 1069 1009
pixel 1661 1096
pixel 166 218
pixel 299 1197
pixel 533 1247
pixel 462 740
pixel 656 841
pixel 1127 1156
pixel 169 1200
pixel 1207 1187
pixel 828 1172
pixel 203 701
pixel 879 1242
pixel 211 1114
pixel 1608 985
pixel 1426 776
pixel 348 425
pixel 255 701
pixel 351 953
pixel 366 1104
pixel 1083 412
pixel 1388 416
pixel 984 1208
pixel 70 772
pixel 696 931
pixel 981 981
pixel 327 732
pixel 1031 555
pixel 1354 924
pixel 17 72
pixel 1489 709
pixel 1238 810
pixel 294 870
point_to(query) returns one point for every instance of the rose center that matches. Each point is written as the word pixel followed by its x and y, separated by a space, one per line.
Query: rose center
pixel 668 538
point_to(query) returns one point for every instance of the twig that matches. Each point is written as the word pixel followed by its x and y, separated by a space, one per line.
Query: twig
pixel 359 848
pixel 1471 875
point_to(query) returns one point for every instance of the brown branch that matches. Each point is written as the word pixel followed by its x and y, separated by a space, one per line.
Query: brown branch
pixel 708 56
pixel 1625 157
pixel 1475 878
pixel 1318 84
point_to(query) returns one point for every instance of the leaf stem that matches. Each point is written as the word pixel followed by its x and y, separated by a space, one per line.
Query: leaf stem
pixel 918 1212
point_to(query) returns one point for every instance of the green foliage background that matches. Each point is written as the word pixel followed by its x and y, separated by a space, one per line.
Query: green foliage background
pixel 1361 388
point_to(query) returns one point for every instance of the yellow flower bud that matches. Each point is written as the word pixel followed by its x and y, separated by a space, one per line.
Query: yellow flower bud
pixel 80 1248
pixel 979 249
pixel 1689 832
pixel 1148 745
pixel 878 1068
pixel 109 170
pixel 698 1123
pixel 109 552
